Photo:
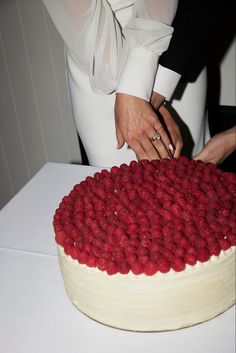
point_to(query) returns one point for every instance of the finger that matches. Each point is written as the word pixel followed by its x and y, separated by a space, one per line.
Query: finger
pixel 150 149
pixel 140 152
pixel 164 136
pixel 119 137
pixel 178 145
pixel 162 145
pixel 202 156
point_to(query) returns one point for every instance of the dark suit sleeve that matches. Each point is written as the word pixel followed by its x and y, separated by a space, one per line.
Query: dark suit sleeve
pixel 194 24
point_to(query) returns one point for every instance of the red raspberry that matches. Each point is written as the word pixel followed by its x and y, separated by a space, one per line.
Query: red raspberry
pixel 102 264
pixel 60 237
pixel 132 258
pixel 92 261
pixel 150 268
pixel 167 215
pixel 232 239
pixel 74 253
pixel 143 220
pixel 132 194
pixel 224 244
pixel 192 251
pixel 136 268
pixel 164 265
pixel 119 255
pixel 214 249
pixel 178 264
pixel 130 249
pixel 123 267
pixel 143 259
pixel 184 243
pixel 168 255
pixel 190 259
pixel 180 252
pixel 201 243
pixel 203 254
pixel 115 170
pixel 83 257
pixel 112 268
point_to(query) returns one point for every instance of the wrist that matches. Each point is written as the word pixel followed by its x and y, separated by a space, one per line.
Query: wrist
pixel 157 100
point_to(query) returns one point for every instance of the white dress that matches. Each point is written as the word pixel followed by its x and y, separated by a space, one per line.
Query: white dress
pixel 111 46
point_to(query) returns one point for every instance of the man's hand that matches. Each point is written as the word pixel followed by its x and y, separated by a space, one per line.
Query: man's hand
pixel 136 124
pixel 173 129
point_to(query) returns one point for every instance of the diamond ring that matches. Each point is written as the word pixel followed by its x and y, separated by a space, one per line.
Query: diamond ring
pixel 155 138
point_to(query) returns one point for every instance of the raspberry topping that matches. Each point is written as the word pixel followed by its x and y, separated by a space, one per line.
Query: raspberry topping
pixel 149 217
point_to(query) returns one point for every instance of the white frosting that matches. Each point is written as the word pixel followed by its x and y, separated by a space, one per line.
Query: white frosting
pixel 152 303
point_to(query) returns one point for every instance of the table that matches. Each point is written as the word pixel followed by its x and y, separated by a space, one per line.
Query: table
pixel 35 314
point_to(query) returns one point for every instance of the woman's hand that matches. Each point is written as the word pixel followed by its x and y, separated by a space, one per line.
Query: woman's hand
pixel 218 147
pixel 137 124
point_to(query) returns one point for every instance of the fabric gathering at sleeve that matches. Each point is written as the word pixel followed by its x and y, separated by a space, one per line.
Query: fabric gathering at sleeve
pixel 117 57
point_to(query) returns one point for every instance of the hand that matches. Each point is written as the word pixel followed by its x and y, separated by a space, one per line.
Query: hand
pixel 137 123
pixel 173 130
pixel 218 147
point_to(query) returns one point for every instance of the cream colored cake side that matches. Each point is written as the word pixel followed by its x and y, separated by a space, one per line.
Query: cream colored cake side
pixel 156 303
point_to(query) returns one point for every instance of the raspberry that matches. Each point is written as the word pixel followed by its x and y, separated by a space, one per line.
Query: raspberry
pixel 74 253
pixel 203 254
pixel 123 267
pixel 214 249
pixel 115 170
pixel 92 261
pixel 232 239
pixel 167 215
pixel 164 265
pixel 192 251
pixel 150 268
pixel 111 268
pixel 190 259
pixel 168 255
pixel 136 268
pixel 131 259
pixel 102 264
pixel 178 264
pixel 132 194
pixel 143 259
pixel 83 257
pixel 60 237
pixel 180 252
pixel 224 244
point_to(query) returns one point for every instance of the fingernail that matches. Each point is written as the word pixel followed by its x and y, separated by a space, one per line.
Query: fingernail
pixel 171 148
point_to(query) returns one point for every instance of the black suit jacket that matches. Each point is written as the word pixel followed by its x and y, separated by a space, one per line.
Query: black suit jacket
pixel 194 24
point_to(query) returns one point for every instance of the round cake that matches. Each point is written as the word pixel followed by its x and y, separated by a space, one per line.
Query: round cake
pixel 150 246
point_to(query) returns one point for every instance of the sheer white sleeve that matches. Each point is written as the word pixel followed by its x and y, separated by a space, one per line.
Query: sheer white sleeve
pixel 148 34
pixel 106 46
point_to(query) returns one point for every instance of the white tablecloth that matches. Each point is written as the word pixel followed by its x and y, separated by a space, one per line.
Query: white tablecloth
pixel 35 314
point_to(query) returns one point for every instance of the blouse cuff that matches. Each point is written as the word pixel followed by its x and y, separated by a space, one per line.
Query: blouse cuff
pixel 138 75
pixel 166 81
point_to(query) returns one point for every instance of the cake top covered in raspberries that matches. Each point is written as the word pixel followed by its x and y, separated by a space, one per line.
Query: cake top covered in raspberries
pixel 149 217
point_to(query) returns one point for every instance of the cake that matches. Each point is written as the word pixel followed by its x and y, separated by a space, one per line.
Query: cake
pixel 150 246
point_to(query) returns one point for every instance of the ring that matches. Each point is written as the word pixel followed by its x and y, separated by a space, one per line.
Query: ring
pixel 155 138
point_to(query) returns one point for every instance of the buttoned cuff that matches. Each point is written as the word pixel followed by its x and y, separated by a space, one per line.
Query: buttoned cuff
pixel 166 81
pixel 138 75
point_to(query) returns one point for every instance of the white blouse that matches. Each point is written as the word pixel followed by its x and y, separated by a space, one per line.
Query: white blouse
pixel 117 42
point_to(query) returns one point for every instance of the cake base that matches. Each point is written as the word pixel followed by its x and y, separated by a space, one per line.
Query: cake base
pixel 161 302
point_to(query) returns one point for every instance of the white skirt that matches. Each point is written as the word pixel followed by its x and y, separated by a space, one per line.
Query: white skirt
pixel 95 122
